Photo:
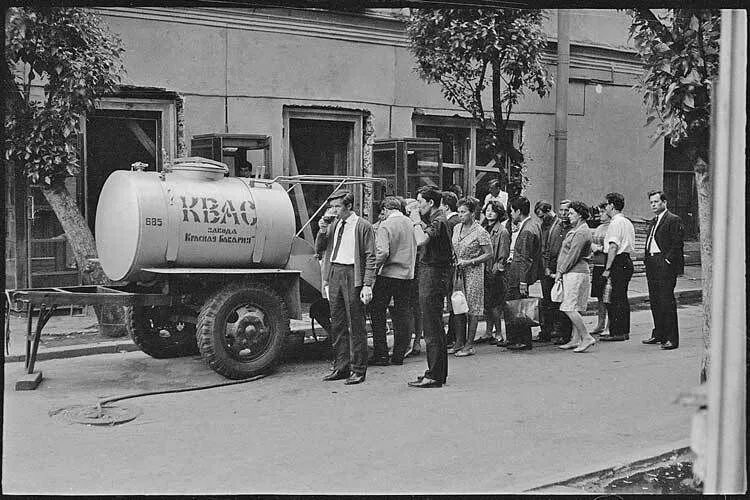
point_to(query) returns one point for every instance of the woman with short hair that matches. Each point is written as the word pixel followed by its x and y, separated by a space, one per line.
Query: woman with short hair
pixel 599 260
pixel 573 272
pixel 494 270
pixel 472 248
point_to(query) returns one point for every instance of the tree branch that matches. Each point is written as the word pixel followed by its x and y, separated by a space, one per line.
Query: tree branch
pixel 647 16
pixel 478 91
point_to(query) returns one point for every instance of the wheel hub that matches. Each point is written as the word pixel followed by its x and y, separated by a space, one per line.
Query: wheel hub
pixel 248 332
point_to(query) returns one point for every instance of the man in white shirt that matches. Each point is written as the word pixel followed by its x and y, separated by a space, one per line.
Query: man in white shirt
pixel 496 194
pixel 348 246
pixel 664 262
pixel 620 242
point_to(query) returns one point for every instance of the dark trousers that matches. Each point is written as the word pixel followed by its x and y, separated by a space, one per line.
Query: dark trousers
pixel 661 282
pixel 618 308
pixel 552 320
pixel 349 337
pixel 414 314
pixel 386 288
pixel 433 285
pixel 515 333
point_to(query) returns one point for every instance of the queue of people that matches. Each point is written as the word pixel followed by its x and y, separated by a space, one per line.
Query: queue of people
pixel 423 250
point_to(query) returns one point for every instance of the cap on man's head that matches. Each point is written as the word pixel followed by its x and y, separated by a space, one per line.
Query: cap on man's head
pixel 339 193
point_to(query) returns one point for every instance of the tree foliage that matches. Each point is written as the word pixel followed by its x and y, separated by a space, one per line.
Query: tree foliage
pixel 459 48
pixel 76 58
pixel 680 51
pixel 468 50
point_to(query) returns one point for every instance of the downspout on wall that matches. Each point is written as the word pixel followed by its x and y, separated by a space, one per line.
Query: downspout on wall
pixel 561 107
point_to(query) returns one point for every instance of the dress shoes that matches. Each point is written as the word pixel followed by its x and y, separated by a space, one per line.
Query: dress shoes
pixel 336 375
pixel 502 343
pixel 355 378
pixel 668 346
pixel 652 340
pixel 379 361
pixel 614 338
pixel 519 347
pixel 425 383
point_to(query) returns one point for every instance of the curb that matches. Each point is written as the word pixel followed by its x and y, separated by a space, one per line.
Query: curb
pixel 75 351
pixel 637 302
pixel 633 460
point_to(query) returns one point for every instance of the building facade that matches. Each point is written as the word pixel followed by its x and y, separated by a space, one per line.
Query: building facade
pixel 321 87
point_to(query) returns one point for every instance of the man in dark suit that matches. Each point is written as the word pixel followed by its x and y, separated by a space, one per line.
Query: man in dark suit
pixel 349 271
pixel 664 262
pixel 554 229
pixel 525 259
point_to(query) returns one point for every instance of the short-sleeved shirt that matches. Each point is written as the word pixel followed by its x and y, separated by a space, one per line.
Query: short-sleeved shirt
pixel 502 197
pixel 438 250
pixel 622 233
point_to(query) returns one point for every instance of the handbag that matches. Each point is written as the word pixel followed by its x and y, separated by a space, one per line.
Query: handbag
pixel 523 312
pixel 458 297
pixel 557 293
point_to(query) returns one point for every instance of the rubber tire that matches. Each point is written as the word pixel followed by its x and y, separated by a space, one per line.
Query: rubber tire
pixel 151 343
pixel 211 335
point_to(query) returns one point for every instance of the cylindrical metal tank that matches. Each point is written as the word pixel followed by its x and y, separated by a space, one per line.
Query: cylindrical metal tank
pixel 192 216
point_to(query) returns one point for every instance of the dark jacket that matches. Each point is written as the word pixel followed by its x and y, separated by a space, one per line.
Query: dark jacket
pixel 552 243
pixel 364 247
pixel 670 237
pixel 500 238
pixel 527 255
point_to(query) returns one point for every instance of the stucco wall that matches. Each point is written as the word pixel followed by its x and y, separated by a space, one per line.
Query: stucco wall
pixel 257 73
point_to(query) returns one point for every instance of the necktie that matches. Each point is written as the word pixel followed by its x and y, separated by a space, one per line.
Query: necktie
pixel 651 235
pixel 338 241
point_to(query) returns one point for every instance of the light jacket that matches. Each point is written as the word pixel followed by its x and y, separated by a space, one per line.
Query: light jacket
pixel 364 249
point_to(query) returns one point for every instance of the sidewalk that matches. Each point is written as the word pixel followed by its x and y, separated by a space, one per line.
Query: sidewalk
pixel 67 336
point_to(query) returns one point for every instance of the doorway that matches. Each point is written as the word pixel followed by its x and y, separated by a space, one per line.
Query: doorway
pixel 114 140
pixel 680 189
pixel 317 147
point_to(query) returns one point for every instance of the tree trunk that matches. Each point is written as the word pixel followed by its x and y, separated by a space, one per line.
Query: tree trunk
pixel 111 318
pixel 497 112
pixel 703 187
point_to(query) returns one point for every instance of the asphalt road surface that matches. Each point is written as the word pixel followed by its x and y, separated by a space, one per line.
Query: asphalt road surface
pixel 505 422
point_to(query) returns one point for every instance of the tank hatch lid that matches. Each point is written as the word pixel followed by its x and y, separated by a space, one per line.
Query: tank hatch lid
pixel 201 167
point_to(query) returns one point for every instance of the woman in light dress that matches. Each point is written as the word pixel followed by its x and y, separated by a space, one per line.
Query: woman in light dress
pixel 472 248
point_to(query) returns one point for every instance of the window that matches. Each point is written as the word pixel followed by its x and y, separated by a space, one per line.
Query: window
pixel 468 152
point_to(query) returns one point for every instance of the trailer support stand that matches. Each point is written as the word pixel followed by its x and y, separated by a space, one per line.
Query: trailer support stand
pixel 30 379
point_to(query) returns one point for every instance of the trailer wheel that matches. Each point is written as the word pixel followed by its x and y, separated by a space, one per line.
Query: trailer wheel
pixel 163 332
pixel 242 329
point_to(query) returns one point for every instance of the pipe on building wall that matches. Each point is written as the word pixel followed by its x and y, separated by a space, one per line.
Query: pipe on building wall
pixel 726 426
pixel 561 106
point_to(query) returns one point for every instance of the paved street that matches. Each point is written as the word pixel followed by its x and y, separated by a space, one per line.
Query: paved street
pixel 504 423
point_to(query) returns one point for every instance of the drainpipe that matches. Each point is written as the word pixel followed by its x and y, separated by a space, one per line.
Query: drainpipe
pixel 561 106
pixel 725 439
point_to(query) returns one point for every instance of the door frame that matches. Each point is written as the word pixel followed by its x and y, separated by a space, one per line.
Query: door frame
pixel 354 157
pixel 167 108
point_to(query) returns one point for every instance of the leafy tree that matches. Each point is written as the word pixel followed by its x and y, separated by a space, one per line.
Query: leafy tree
pixel 680 52
pixel 75 59
pixel 467 50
